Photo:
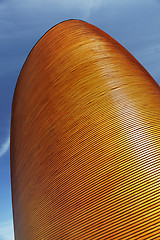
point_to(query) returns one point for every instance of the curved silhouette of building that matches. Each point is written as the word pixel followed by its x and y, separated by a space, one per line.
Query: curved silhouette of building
pixel 85 140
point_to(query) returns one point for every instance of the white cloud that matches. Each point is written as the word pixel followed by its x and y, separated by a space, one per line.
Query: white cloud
pixel 5 146
pixel 6 230
pixel 90 6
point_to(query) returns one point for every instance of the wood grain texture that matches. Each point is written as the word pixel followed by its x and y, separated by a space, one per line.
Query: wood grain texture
pixel 85 140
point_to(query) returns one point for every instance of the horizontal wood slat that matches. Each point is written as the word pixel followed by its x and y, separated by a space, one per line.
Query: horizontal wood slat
pixel 85 140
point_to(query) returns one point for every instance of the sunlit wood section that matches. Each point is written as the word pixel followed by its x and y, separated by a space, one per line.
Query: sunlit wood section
pixel 85 140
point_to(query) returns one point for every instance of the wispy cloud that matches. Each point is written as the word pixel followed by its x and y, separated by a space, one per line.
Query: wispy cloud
pixel 6 230
pixel 4 147
pixel 91 5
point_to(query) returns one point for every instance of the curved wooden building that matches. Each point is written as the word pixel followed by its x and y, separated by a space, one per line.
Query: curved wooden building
pixel 85 140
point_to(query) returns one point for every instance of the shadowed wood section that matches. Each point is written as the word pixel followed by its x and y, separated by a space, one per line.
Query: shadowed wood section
pixel 85 140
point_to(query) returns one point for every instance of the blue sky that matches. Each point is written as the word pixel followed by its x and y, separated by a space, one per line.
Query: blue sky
pixel 134 23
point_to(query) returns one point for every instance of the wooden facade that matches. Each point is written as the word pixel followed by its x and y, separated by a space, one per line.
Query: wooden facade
pixel 85 140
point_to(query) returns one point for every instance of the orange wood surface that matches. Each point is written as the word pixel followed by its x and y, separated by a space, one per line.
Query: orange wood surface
pixel 85 140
